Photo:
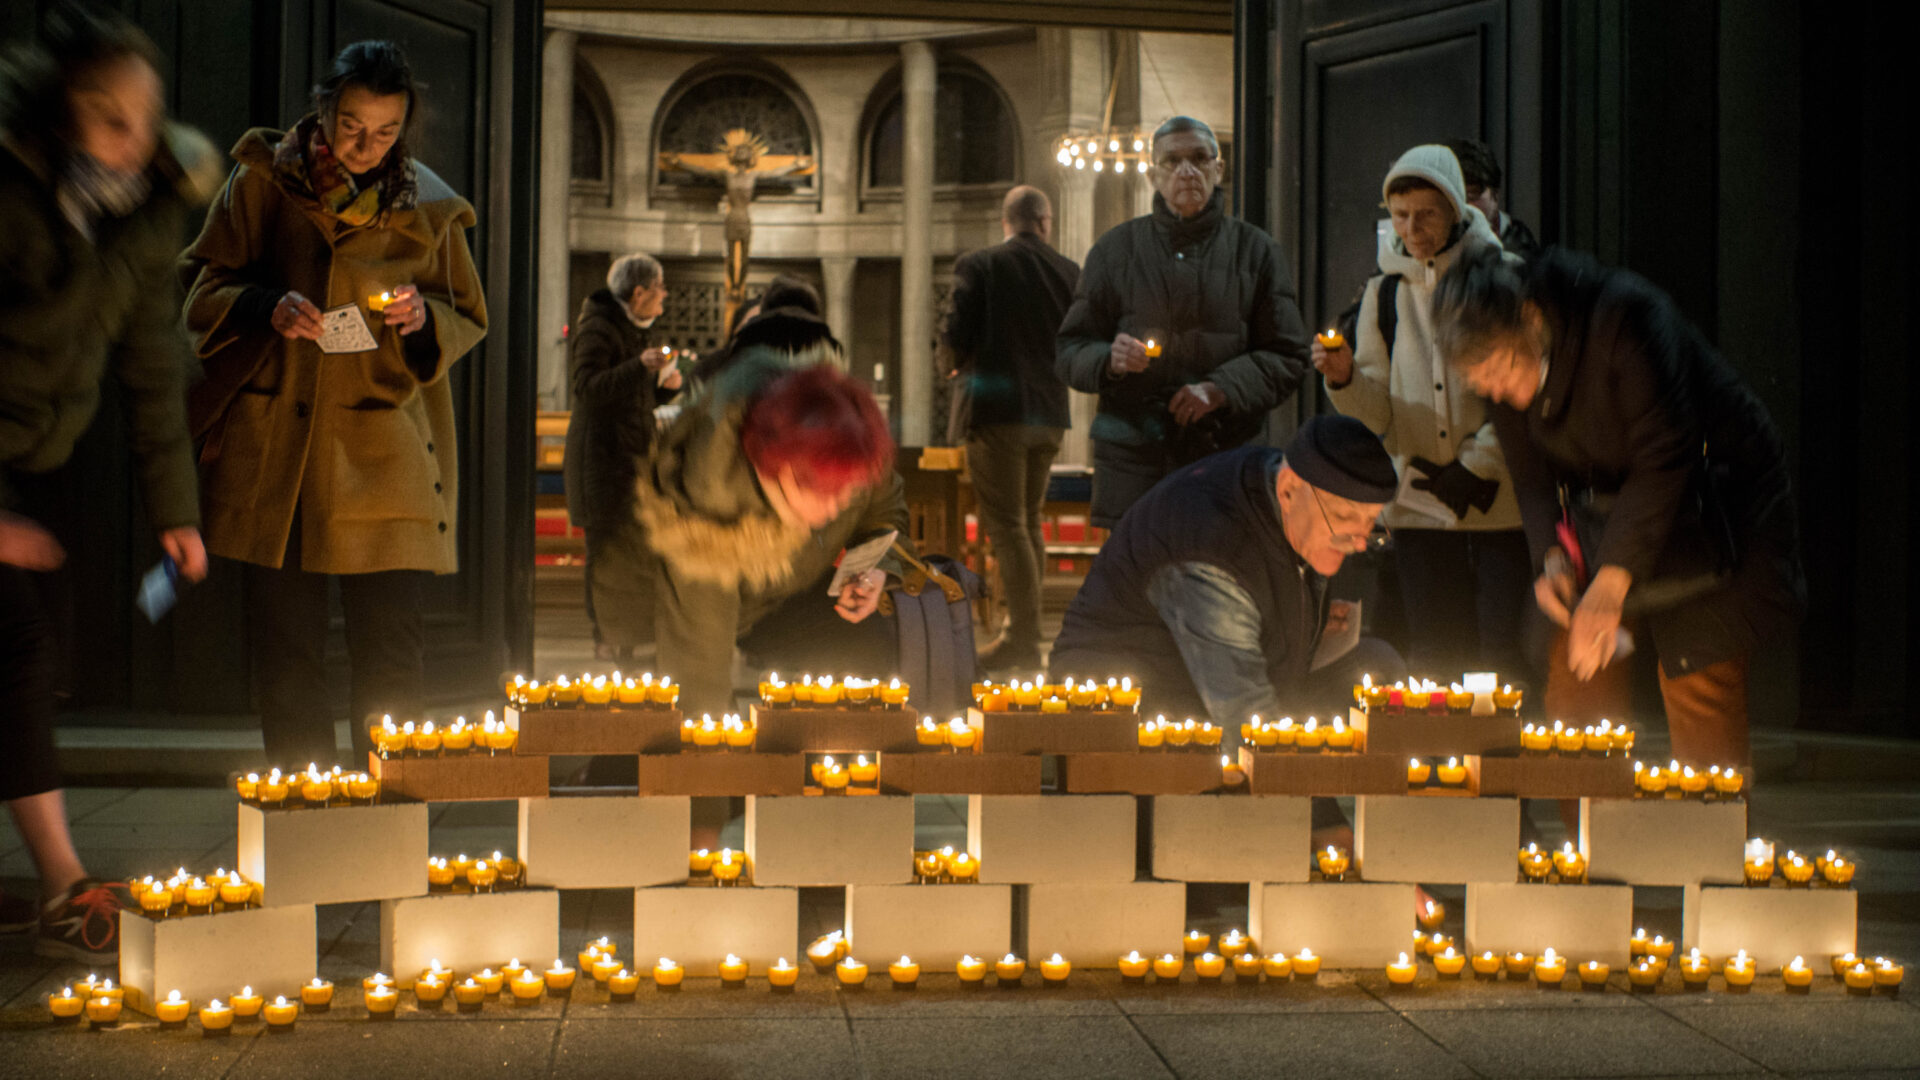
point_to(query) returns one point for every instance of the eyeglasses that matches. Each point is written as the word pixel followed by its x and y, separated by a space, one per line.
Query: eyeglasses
pixel 1377 540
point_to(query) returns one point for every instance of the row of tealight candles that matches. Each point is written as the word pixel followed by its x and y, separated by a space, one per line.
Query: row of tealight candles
pixel 1598 740
pixel 1039 695
pixel 427 739
pixel 596 691
pixel 1568 865
pixel 850 692
pixel 1284 734
pixel 1477 695
pixel 190 894
pixel 101 1002
pixel 1760 862
pixel 724 867
pixel 730 732
pixel 861 773
pixel 1682 781
pixel 944 866
pixel 315 787
pixel 477 875
pixel 956 734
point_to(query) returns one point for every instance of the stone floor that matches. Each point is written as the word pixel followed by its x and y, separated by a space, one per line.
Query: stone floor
pixel 1345 1025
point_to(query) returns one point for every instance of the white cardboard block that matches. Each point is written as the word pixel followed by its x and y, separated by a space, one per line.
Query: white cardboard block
pixel 1349 924
pixel 933 924
pixel 336 855
pixel 1773 925
pixel 1094 925
pixel 830 839
pixel 1582 922
pixel 1663 841
pixel 271 949
pixel 605 842
pixel 1047 839
pixel 469 931
pixel 1232 837
pixel 697 926
pixel 1430 838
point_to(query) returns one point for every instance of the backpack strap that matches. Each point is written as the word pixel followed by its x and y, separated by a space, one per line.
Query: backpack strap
pixel 1387 308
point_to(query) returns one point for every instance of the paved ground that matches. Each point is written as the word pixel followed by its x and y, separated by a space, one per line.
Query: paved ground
pixel 1347 1025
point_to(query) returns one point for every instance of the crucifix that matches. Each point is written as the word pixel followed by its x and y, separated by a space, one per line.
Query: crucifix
pixel 741 162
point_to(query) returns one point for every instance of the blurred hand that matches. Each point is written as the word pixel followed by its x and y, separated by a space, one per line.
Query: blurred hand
pixel 1339 614
pixel 657 358
pixel 669 378
pixel 861 596
pixel 407 310
pixel 1195 400
pixel 1335 364
pixel 1593 634
pixel 1128 356
pixel 23 543
pixel 184 547
pixel 1554 589
pixel 296 317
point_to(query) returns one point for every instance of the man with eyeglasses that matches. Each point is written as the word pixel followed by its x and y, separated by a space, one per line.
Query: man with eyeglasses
pixel 1184 323
pixel 1212 592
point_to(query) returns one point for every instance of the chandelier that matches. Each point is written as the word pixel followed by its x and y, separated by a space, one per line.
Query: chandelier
pixel 1110 150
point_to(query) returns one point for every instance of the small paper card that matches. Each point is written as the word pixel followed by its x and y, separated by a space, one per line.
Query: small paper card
pixel 344 330
pixel 1334 646
pixel 861 558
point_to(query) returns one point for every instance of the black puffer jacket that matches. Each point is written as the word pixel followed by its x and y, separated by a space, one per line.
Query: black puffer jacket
pixel 1215 293
pixel 614 396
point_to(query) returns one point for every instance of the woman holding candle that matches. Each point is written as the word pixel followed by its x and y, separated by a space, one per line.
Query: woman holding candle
pixel 332 454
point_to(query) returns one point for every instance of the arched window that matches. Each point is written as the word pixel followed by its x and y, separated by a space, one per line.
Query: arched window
pixel 975 138
pixel 697 119
pixel 589 141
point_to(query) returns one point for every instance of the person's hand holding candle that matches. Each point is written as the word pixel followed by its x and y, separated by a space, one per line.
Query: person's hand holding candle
pixel 1333 358
pixel 1129 354
pixel 404 309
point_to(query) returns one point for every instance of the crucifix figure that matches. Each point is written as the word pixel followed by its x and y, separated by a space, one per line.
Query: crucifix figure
pixel 742 162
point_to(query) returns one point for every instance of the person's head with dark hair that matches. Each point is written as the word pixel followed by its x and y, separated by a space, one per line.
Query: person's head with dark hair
pixel 1186 165
pixel 1481 172
pixel 86 88
pixel 367 102
pixel 741 314
pixel 1488 328
pixel 1026 212
pixel 787 291
pixel 815 437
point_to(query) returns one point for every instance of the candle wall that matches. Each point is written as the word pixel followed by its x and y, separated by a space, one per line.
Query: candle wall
pixel 342 854
pixel 1347 924
pixel 1664 841
pixel 1774 925
pixel 934 924
pixel 1588 922
pixel 1093 925
pixel 605 842
pixel 1029 839
pixel 698 927
pixel 468 931
pixel 830 841
pixel 1231 838
pixel 1423 839
pixel 273 949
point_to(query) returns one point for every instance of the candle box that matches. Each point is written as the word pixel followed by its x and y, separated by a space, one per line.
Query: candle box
pixel 1586 922
pixel 1322 773
pixel 605 842
pixel 460 777
pixel 961 774
pixel 1408 735
pixel 934 924
pixel 832 728
pixel 733 773
pixel 1349 924
pixel 584 729
pixel 1093 925
pixel 1556 777
pixel 1025 839
pixel 208 956
pixel 698 927
pixel 830 841
pixel 1664 841
pixel 468 931
pixel 1773 925
pixel 336 855
pixel 1231 838
pixel 1134 773
pixel 1076 731
pixel 1412 838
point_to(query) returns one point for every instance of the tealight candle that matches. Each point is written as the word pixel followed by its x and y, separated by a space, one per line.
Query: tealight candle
pixel 1418 772
pixel 430 989
pixel 728 866
pixel 623 984
pixel 559 977
pixel 1197 941
pixel 1550 969
pixel 246 1004
pixel 606 964
pixel 1593 974
pixel 1134 966
pixel 1331 339
pixel 1168 966
pixel 961 735
pixel 1332 861
pixel 1859 980
pixel 1124 696
pixel 526 986
pixel 1692 783
pixel 317 995
pixel 1276 965
pixel 1209 965
pixel 1534 863
pixel 1645 974
pixel 1739 971
pixel 106 1010
pixel 216 1016
pixel 1797 975
pixel 1836 870
pixel 381 1000
pixel 468 993
pixel 1340 736
pixel 1660 948
pixel 1571 864
pixel 1231 774
pixel 1305 964
pixel 1795 868
pixel 1009 969
pixel 1452 773
pixel 1311 736
pixel 782 975
pixel 963 867
pixel 1177 734
pixel 1727 781
pixel 1888 975
pixel 827 950
pixel 1519 965
pixel 904 972
pixel 482 875
pixel 699 862
pixel 1246 966
pixel 1401 971
pixel 280 1013
pixel 1758 862
pixel 667 974
pixel 972 970
pixel 1486 964
pixel 733 971
pixel 1535 740
pixel 66 1004
pixel 1695 970
pixel 375 979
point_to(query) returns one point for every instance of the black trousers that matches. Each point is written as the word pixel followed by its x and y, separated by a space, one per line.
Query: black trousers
pixel 287 611
pixel 1466 598
pixel 28 764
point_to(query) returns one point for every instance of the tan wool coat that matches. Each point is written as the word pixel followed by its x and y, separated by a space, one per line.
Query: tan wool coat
pixel 362 443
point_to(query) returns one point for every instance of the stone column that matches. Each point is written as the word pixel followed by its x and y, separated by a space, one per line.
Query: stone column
pixel 1073 237
pixel 836 272
pixel 916 244
pixel 556 181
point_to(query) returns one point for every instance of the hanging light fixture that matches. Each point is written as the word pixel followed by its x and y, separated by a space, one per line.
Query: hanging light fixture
pixel 1109 147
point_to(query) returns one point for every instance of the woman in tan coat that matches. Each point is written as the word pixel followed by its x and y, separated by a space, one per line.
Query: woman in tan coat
pixel 330 292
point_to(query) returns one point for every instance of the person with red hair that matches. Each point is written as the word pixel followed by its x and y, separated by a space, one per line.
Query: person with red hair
pixel 743 508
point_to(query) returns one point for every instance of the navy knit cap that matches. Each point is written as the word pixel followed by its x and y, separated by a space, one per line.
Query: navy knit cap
pixel 1342 456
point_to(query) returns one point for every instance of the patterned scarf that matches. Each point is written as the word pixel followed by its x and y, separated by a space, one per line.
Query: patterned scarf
pixel 89 191
pixel 305 165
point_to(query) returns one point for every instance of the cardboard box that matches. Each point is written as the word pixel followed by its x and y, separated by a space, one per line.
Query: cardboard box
pixel 1773 924
pixel 605 842
pixel 961 774
pixel 1094 925
pixel 336 855
pixel 272 950
pixel 593 730
pixel 800 730
pixel 1077 731
pixel 1410 735
pixel 1232 838
pixel 1417 839
pixel 934 924
pixel 1027 839
pixel 1664 841
pixel 461 777
pixel 1283 773
pixel 1581 922
pixel 722 774
pixel 1548 776
pixel 1349 924
pixel 830 840
pixel 1135 773
pixel 698 927
pixel 469 931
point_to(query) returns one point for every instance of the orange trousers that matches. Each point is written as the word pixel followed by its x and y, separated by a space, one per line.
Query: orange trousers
pixel 1706 709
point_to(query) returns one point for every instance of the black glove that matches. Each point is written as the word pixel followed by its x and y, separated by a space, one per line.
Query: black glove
pixel 1455 485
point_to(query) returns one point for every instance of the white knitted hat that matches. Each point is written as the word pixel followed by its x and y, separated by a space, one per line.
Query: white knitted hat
pixel 1437 166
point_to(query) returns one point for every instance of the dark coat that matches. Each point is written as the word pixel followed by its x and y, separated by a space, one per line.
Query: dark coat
pixel 614 396
pixel 1634 399
pixel 1008 301
pixel 1216 295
